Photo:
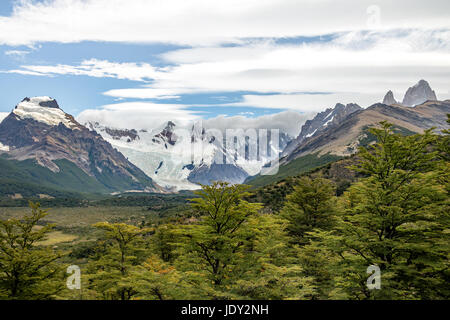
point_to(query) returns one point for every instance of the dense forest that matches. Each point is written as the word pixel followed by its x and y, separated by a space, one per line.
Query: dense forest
pixel 314 238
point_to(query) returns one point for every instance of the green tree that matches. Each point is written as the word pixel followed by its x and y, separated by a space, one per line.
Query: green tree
pixel 28 270
pixel 163 242
pixel 218 240
pixel 309 206
pixel 110 274
pixel 393 219
pixel 444 154
pixel 270 268
pixel 159 280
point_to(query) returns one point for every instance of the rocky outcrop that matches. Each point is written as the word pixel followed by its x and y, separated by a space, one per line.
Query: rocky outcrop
pixel 323 120
pixel 418 94
pixel 205 174
pixel 116 134
pixel 166 135
pixel 389 98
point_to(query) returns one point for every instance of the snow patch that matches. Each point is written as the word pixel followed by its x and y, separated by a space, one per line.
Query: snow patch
pixel 3 147
pixel 311 134
pixel 326 123
pixel 328 115
pixel 3 115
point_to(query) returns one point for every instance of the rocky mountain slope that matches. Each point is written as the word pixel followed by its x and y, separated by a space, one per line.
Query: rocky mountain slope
pixel 39 130
pixel 344 138
pixel 323 120
pixel 321 141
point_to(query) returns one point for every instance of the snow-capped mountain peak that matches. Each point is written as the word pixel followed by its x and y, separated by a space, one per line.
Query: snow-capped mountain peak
pixel 39 130
pixel 45 110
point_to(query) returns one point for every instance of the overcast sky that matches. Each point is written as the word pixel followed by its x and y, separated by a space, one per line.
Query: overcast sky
pixel 138 61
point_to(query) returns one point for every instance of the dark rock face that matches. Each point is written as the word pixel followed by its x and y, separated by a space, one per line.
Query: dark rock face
pixel 32 139
pixel 52 103
pixel 217 172
pixel 322 121
pixel 166 135
pixel 49 104
pixel 389 98
pixel 418 94
pixel 117 134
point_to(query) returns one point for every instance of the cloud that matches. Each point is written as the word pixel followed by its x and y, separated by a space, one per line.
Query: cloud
pixel 353 67
pixel 95 68
pixel 356 67
pixel 309 103
pixel 138 115
pixel 146 115
pixel 247 113
pixel 17 53
pixel 289 122
pixel 200 22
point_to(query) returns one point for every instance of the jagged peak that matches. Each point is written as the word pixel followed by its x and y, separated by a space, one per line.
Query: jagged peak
pixel 419 93
pixel 340 106
pixel 170 125
pixel 43 101
pixel 389 98
pixel 421 82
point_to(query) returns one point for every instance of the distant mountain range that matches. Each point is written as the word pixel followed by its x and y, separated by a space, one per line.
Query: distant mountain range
pixel 338 132
pixel 45 151
pixel 183 158
pixel 415 95
pixel 69 156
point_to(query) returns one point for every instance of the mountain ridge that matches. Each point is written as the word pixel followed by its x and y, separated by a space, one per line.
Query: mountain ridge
pixel 322 120
pixel 343 139
pixel 184 157
pixel 39 130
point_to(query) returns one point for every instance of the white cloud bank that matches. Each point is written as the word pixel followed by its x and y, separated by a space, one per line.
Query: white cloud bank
pixel 357 67
pixel 201 22
pixel 138 115
pixel 143 115
pixel 95 68
pixel 289 122
pixel 354 64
